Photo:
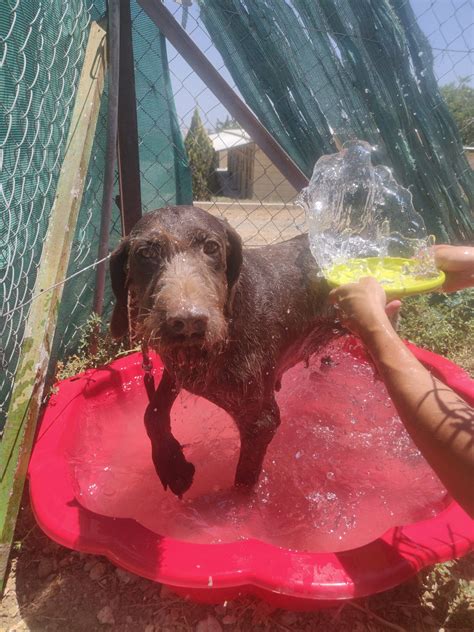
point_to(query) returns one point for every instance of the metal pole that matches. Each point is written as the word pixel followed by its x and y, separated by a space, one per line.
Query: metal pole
pixel 165 21
pixel 113 38
pixel 127 150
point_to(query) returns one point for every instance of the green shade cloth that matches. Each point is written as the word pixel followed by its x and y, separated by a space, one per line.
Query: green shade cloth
pixel 42 44
pixel 320 72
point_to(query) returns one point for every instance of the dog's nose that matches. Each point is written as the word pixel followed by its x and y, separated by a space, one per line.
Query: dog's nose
pixel 188 324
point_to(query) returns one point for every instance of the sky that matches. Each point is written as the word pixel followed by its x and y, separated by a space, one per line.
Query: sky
pixel 448 24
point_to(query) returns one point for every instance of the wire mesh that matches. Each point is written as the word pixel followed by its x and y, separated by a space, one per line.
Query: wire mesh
pixel 165 177
pixel 318 74
pixel 41 50
pixel 247 190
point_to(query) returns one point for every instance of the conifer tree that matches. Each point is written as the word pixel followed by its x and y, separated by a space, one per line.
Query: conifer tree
pixel 200 155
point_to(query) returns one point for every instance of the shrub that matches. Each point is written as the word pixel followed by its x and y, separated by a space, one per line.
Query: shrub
pixel 95 348
pixel 443 323
pixel 460 100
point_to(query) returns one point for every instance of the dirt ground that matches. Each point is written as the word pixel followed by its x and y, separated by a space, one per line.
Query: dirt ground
pixel 51 588
pixel 259 224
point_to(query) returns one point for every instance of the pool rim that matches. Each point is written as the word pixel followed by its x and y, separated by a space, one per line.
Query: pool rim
pixel 214 572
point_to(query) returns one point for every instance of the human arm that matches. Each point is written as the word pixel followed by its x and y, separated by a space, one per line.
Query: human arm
pixel 457 262
pixel 439 421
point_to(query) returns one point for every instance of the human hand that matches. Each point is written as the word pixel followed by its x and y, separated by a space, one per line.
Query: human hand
pixel 363 306
pixel 457 262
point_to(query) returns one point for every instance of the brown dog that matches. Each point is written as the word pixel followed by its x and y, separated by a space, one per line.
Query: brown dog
pixel 226 321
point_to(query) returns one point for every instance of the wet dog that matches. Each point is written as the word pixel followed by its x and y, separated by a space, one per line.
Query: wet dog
pixel 227 322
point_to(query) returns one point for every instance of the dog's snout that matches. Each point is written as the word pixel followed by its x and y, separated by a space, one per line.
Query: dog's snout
pixel 188 324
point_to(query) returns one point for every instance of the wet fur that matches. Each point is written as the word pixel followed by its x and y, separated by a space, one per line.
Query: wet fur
pixel 267 310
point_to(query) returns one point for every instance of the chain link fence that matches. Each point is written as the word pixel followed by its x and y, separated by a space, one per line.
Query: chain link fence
pixel 41 50
pixel 165 176
pixel 245 187
pixel 318 74
pixel 42 45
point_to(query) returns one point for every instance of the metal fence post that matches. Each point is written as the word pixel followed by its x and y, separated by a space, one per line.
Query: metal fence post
pixel 127 148
pixel 165 21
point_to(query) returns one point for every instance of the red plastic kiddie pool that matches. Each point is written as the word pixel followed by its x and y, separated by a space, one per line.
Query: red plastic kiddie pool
pixel 74 498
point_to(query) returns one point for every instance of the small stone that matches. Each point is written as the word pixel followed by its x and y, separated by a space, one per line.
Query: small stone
pixel 166 592
pixel 289 618
pixel 429 620
pixel 144 585
pixel 65 562
pixel 150 628
pixel 106 616
pixel 211 624
pixel 229 619
pixel 220 610
pixel 97 571
pixel 89 564
pixel 128 619
pixel 50 547
pixel 153 591
pixel 124 576
pixel 45 567
pixel 263 610
pixel 114 603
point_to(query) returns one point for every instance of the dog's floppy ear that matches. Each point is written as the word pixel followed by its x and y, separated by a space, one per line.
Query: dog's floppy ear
pixel 234 256
pixel 118 274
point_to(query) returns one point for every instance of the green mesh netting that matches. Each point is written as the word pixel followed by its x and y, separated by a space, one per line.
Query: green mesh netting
pixel 321 72
pixel 42 44
pixel 41 50
pixel 165 175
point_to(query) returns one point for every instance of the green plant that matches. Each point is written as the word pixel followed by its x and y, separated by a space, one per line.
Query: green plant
pixel 95 348
pixel 460 100
pixel 446 592
pixel 200 155
pixel 443 323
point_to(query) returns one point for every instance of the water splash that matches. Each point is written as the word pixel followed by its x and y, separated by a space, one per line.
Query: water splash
pixel 356 210
pixel 340 471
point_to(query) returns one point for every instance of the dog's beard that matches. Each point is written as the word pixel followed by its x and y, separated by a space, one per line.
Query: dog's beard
pixel 153 331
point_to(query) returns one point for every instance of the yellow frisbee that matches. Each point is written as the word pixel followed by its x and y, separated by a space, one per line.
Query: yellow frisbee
pixel 398 276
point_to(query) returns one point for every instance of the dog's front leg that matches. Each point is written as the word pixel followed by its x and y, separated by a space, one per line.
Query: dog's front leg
pixel 256 429
pixel 168 458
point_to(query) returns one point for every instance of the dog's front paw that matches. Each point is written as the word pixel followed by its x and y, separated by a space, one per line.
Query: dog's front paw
pixel 171 466
pixel 246 479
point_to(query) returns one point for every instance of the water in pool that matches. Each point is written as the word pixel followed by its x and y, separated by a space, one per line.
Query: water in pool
pixel 339 473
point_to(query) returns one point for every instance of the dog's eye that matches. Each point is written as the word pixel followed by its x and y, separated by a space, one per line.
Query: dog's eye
pixel 211 247
pixel 149 252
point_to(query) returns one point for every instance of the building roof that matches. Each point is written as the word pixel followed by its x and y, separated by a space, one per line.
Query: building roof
pixel 228 138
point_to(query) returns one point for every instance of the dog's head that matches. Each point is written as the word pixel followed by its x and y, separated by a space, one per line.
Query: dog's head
pixel 179 265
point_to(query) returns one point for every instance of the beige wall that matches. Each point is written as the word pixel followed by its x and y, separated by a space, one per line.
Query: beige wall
pixel 268 183
pixel 222 155
pixel 470 158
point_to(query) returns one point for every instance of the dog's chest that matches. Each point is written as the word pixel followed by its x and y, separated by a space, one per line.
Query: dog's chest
pixel 218 378
pixel 192 371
